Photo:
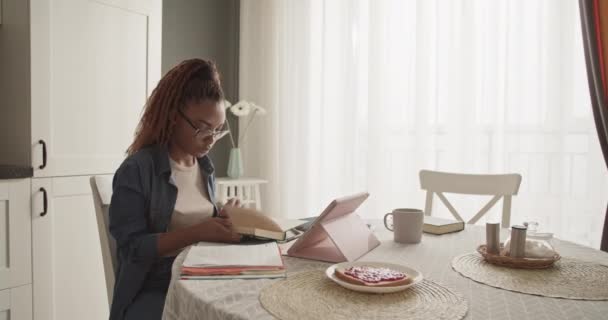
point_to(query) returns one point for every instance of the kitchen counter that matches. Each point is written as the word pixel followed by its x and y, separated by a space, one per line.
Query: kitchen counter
pixel 15 172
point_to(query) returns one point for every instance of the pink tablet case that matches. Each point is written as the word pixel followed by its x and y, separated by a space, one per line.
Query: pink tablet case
pixel 338 234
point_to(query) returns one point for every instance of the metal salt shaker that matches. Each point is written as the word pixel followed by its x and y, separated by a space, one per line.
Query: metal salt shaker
pixel 493 238
pixel 518 242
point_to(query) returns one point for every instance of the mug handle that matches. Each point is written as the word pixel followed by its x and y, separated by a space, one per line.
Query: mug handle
pixel 386 224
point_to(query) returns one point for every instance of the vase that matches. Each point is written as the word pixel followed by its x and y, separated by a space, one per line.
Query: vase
pixel 235 164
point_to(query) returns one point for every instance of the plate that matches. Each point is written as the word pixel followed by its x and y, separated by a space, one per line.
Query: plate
pixel 412 273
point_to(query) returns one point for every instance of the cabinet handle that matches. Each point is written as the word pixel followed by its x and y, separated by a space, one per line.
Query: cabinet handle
pixel 43 165
pixel 45 202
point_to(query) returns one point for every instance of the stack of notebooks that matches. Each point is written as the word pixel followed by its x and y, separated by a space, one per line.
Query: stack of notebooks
pixel 233 261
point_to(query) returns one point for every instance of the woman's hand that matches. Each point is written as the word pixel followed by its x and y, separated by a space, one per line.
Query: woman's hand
pixel 232 202
pixel 210 230
pixel 217 229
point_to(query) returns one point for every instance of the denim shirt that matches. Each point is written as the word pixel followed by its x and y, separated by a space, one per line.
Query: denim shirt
pixel 143 201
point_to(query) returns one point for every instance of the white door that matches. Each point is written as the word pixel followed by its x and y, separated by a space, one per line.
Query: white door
pixel 16 303
pixel 69 281
pixel 15 233
pixel 94 62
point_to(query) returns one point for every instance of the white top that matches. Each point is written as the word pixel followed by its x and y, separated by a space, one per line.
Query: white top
pixel 192 205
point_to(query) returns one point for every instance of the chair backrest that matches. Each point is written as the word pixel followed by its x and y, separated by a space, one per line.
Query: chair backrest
pixel 101 187
pixel 499 185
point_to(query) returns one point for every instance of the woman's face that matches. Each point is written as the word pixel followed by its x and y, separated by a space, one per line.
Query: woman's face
pixel 207 118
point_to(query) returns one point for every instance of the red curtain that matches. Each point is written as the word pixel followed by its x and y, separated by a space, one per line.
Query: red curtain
pixel 594 23
pixel 601 34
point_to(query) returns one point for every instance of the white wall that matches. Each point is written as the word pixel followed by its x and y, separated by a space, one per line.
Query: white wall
pixel 205 29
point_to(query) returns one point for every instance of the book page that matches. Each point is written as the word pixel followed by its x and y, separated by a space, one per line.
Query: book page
pixel 286 224
pixel 249 219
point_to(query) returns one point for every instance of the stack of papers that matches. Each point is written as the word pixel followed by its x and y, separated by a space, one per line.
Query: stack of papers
pixel 233 261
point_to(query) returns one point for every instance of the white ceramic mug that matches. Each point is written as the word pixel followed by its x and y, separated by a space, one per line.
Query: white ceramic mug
pixel 407 225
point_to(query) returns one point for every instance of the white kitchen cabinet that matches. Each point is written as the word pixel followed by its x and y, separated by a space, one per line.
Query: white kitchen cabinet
pixel 16 303
pixel 74 78
pixel 15 233
pixel 68 267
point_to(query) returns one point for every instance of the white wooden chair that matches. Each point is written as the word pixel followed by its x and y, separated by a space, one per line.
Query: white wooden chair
pixel 500 186
pixel 247 190
pixel 102 194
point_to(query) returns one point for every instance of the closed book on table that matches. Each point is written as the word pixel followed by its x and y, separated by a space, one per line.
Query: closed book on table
pixel 436 225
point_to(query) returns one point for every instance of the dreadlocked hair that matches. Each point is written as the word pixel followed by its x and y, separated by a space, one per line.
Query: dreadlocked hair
pixel 194 80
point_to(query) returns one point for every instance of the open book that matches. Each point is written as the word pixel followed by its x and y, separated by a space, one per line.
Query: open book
pixel 253 223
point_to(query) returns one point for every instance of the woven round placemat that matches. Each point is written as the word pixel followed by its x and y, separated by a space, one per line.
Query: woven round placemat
pixel 310 295
pixel 568 278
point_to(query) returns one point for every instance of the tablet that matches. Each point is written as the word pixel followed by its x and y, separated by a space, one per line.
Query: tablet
pixel 338 234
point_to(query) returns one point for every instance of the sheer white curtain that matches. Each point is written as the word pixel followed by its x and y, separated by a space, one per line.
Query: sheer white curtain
pixel 363 94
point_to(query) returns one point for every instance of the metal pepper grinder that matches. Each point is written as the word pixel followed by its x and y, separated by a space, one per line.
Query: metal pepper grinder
pixel 493 238
pixel 518 242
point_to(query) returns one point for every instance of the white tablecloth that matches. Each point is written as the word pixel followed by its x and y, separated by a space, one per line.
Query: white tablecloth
pixel 238 299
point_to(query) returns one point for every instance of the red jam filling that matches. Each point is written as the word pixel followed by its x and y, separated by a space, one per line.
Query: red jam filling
pixel 374 275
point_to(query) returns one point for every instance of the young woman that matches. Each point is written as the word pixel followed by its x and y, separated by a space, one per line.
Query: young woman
pixel 163 193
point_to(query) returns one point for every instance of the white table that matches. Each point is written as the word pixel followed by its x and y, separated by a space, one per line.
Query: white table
pixel 238 299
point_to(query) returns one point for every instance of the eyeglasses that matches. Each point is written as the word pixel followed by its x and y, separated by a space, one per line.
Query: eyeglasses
pixel 204 131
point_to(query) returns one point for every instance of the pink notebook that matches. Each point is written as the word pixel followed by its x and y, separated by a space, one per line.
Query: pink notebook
pixel 338 234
